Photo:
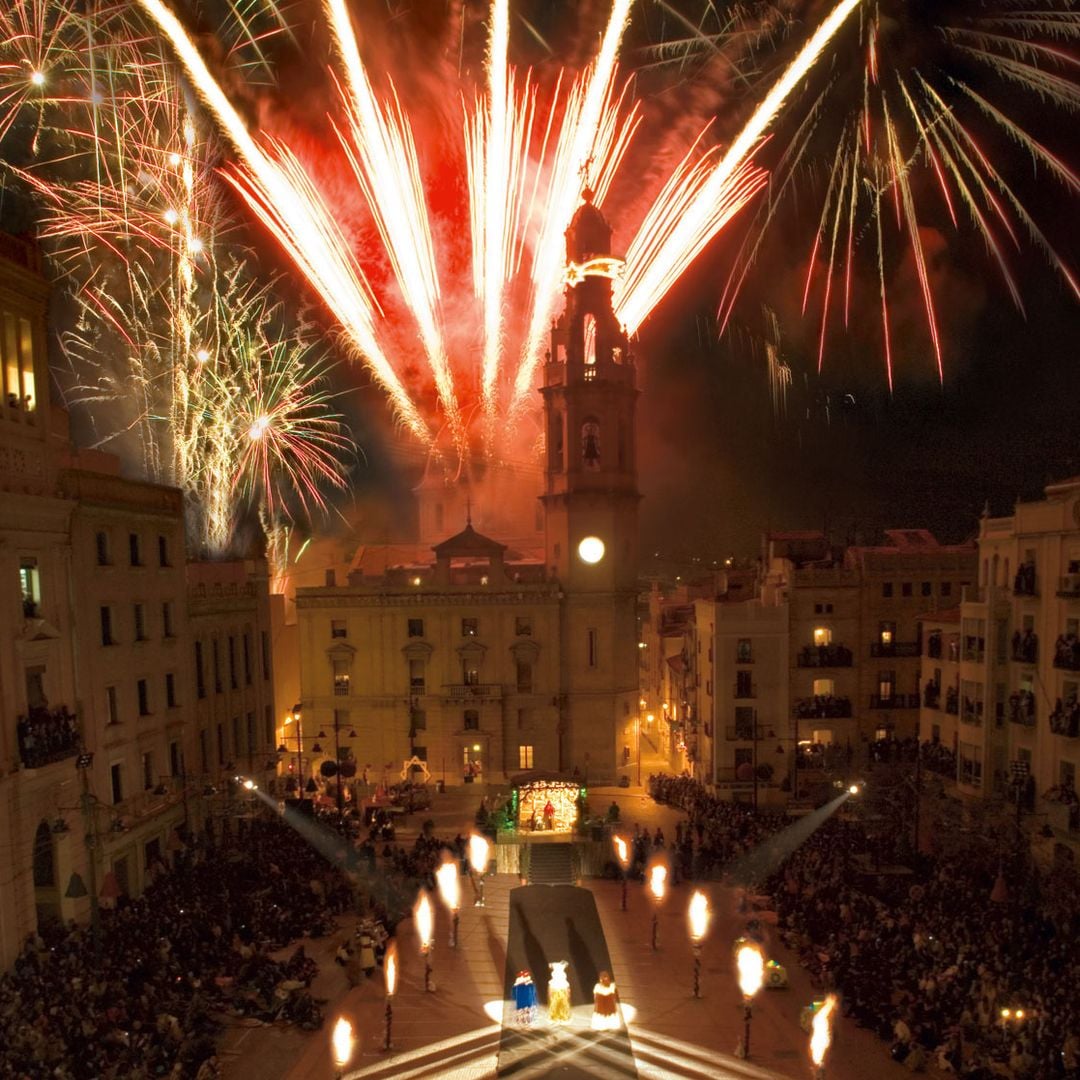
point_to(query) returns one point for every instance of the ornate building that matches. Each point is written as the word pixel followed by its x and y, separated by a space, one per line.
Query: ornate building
pixel 484 662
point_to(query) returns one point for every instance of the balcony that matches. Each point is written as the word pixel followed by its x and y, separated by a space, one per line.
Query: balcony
pixel 1024 584
pixel 1022 708
pixel 1025 647
pixel 952 701
pixel 1065 719
pixel 471 691
pixel 823 707
pixel 933 647
pixel 47 735
pixel 894 701
pixel 1069 587
pixel 972 712
pixel 1067 652
pixel 931 696
pixel 824 656
pixel 894 648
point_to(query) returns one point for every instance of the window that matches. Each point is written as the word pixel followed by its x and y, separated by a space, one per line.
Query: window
pixel 148 770
pixel 217 665
pixel 29 586
pixel 744 722
pixel 163 551
pixel 946 588
pixel 144 697
pixel 204 749
pixel 35 687
pixel 824 687
pixel 525 757
pixel 744 755
pixel 524 677
pixel 744 651
pixel 112 706
pixel 176 761
pixel 743 685
pixel 236 735
pixel 592 650
pixel 523 627
pixel 417 681
pixel 823 609
pixel 140 622
pixel 200 680
pixel 221 744
pixel 887 633
pixel 905 589
pixel 265 649
pixel 971 764
pixel 927 589
pixel 268 725
pixel 134 549
pixel 341 678
pixel 419 722
pixel 886 589
pixel 106 627
pixel 822 636
pixel 470 627
pixel 232 662
pixel 166 619
pixel 416 628
pixel 470 673
pixel 170 690
pixel 101 543
pixel 1067 776
pixel 886 685
pixel 472 720
pixel 116 782
pixel 247 658
pixel 338 628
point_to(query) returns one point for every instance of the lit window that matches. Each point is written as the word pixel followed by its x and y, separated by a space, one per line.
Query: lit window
pixel 417 678
pixel 470 627
pixel 822 635
pixel 29 586
pixel 525 757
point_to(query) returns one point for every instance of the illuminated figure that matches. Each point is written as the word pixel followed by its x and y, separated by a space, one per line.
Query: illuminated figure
pixel 524 998
pixel 605 1015
pixel 559 994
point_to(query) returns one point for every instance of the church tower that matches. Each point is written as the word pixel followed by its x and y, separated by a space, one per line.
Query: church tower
pixel 590 501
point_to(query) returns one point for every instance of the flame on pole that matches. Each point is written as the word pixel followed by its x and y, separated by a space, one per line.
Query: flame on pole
pixel 657 881
pixel 390 968
pixel 751 965
pixel 342 1042
pixel 479 849
pixel 821 1033
pixel 450 891
pixel 622 851
pixel 699 915
pixel 425 920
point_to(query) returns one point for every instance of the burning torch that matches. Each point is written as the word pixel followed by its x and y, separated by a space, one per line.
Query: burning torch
pixel 699 925
pixel 821 1035
pixel 622 853
pixel 657 884
pixel 425 927
pixel 751 965
pixel 450 891
pixel 341 1044
pixel 479 849
pixel 390 977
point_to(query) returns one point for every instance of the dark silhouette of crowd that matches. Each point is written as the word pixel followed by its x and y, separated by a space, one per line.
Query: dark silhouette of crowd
pixel 1025 646
pixel 1024 582
pixel 1022 707
pixel 823 706
pixel 1067 652
pixel 46 735
pixel 148 995
pixel 1065 719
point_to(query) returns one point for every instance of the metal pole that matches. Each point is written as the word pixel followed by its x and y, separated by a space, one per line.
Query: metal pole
pixel 639 752
pixel 337 761
pixel 747 1014
pixel 655 931
pixel 429 986
pixel 387 1043
pixel 454 930
pixel 697 969
pixel 624 888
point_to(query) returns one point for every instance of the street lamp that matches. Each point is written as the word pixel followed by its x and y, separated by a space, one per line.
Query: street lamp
pixel 342 1043
pixel 425 927
pixel 751 965
pixel 821 1035
pixel 390 977
pixel 294 717
pixel 450 890
pixel 699 925
pixel 622 853
pixel 657 885
pixel 479 853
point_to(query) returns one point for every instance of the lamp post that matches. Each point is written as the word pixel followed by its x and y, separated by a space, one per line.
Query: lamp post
pixel 294 717
pixel 699 925
pixel 390 977
pixel 479 853
pixel 425 928
pixel 342 1043
pixel 821 1036
pixel 622 853
pixel 751 965
pixel 657 885
pixel 446 877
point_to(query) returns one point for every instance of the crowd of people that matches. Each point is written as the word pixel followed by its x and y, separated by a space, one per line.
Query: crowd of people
pixel 145 995
pixel 46 735
pixel 1065 719
pixel 1067 652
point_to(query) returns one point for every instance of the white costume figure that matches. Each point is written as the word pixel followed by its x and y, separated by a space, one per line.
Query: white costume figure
pixel 559 993
pixel 605 1015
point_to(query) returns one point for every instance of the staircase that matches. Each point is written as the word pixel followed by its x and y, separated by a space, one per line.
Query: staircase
pixel 551 864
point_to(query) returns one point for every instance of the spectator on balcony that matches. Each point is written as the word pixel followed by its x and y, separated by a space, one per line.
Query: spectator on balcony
pixel 931 695
pixel 952 700
pixel 1067 652
pixel 1024 583
pixel 1022 707
pixel 1025 646
pixel 1065 719
pixel 46 735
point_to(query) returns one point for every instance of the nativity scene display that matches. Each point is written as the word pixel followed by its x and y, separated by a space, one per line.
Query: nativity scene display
pixel 549 804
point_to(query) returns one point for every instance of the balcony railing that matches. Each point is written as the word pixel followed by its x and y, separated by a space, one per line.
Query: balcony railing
pixel 822 656
pixel 1067 652
pixel 466 691
pixel 1069 587
pixel 894 648
pixel 47 735
pixel 931 696
pixel 952 701
pixel 1024 584
pixel 1025 647
pixel 743 732
pixel 1065 719
pixel 972 712
pixel 1022 708
pixel 894 701
pixel 823 707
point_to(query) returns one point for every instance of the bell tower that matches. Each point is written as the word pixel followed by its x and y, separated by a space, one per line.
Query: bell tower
pixel 590 502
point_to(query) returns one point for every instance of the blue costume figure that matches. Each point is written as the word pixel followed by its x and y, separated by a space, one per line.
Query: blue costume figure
pixel 524 998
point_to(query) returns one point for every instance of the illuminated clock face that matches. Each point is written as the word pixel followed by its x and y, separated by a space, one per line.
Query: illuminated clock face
pixel 591 549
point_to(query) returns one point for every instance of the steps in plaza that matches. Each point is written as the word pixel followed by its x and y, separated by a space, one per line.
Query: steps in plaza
pixel 551 864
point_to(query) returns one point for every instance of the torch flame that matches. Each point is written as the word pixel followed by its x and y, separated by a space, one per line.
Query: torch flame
pixel 478 853
pixel 449 889
pixel 699 915
pixel 621 850
pixel 342 1041
pixel 425 919
pixel 751 966
pixel 822 1030
pixel 390 969
pixel 657 880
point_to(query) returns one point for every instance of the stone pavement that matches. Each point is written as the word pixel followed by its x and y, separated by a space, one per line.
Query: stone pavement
pixel 454 1032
